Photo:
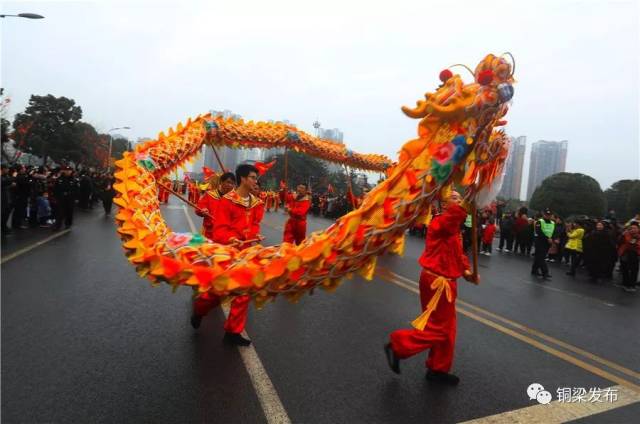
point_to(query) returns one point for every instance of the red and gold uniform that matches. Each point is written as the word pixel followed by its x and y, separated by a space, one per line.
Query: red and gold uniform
pixel 163 194
pixel 295 230
pixel 237 218
pixel 443 261
pixel 194 192
pixel 210 201
pixel 271 200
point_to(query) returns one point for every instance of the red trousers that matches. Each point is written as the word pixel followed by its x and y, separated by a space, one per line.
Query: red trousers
pixel 295 230
pixel 237 318
pixel 440 333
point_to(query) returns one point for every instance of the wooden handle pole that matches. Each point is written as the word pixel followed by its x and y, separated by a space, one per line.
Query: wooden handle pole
pixel 215 152
pixel 179 196
pixel 474 240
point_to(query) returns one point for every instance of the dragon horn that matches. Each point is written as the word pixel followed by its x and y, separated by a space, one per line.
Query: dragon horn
pixel 420 110
pixel 513 62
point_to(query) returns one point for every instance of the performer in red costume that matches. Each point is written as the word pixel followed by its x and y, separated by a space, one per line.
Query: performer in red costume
pixel 208 203
pixel 194 192
pixel 236 221
pixel 295 230
pixel 163 194
pixel 443 261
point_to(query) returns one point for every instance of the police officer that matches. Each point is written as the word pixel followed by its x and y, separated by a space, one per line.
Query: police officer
pixel 544 228
pixel 65 191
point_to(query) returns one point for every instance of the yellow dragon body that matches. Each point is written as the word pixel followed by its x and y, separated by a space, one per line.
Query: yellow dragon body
pixel 457 145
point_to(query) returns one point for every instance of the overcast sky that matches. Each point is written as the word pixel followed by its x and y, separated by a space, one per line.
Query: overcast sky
pixel 350 65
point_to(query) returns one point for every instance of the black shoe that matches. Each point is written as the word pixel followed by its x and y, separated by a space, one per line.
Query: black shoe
pixel 196 320
pixel 537 274
pixel 573 274
pixel 392 359
pixel 442 377
pixel 546 277
pixel 236 339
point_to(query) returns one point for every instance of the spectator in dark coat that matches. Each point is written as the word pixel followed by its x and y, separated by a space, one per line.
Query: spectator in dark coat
pixel 506 233
pixel 599 250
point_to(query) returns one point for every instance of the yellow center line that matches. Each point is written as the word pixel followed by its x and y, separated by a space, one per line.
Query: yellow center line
pixel 531 331
pixel 555 352
pixel 467 309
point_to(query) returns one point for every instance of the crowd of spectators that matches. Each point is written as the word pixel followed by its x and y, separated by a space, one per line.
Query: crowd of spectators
pixel 47 196
pixel 595 247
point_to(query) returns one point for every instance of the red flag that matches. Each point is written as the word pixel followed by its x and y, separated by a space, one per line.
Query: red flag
pixel 264 167
pixel 208 172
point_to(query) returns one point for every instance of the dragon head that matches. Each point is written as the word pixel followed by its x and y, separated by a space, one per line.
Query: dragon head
pixel 457 140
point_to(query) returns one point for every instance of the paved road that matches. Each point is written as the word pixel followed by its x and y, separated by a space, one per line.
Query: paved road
pixel 85 340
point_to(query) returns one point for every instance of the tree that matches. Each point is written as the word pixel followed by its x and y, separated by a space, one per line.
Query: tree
pixel 570 194
pixel 4 124
pixel 119 146
pixel 618 197
pixel 4 135
pixel 633 202
pixel 45 128
pixel 512 205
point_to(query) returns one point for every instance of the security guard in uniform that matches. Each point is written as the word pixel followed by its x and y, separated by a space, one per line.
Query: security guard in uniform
pixel 65 191
pixel 543 232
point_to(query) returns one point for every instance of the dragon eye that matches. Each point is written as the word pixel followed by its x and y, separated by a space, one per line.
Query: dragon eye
pixel 505 91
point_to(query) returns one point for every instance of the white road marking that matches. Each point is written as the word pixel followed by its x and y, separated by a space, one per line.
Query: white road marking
pixel 33 246
pixel 271 404
pixel 267 395
pixel 560 412
pixel 189 220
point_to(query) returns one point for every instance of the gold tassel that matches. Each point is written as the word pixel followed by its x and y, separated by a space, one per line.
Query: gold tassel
pixel 440 284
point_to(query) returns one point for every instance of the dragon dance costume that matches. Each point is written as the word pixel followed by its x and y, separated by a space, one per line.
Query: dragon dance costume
pixel 235 218
pixel 295 229
pixel 443 261
pixel 209 201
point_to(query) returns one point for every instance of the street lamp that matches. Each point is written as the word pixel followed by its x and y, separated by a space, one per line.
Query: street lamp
pixel 24 15
pixel 111 140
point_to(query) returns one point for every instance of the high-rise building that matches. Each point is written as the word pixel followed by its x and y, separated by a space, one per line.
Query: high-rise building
pixel 228 157
pixel 335 135
pixel 547 158
pixel 331 134
pixel 513 169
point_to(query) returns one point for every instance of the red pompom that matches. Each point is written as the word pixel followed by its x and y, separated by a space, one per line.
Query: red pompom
pixel 485 77
pixel 445 75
